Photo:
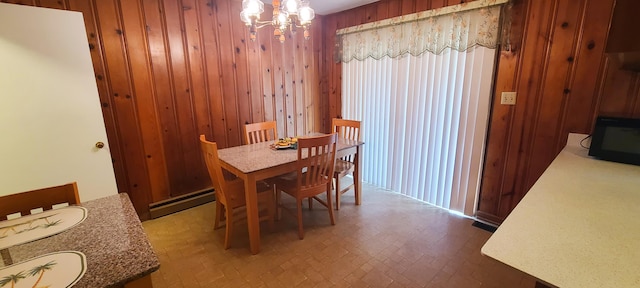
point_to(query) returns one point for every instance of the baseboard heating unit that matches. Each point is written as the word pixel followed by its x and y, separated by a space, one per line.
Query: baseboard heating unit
pixel 182 202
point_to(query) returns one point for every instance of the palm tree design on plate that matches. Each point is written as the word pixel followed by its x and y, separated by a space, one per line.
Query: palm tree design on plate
pixel 40 270
pixel 51 224
pixel 13 279
pixel 19 228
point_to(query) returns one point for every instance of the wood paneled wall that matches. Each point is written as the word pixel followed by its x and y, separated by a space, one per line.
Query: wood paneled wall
pixel 170 70
pixel 564 81
pixel 556 64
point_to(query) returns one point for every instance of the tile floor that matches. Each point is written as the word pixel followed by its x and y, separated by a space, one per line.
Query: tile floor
pixel 388 241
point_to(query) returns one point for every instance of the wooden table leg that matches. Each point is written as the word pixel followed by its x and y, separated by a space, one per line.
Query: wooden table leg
pixel 252 213
pixel 357 176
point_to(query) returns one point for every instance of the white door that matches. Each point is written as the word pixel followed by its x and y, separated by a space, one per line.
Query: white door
pixel 50 115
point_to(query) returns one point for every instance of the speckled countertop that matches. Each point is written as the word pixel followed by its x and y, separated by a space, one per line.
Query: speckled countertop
pixel 578 226
pixel 112 238
pixel 255 157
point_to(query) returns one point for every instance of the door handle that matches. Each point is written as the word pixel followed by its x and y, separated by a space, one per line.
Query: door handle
pixel 99 145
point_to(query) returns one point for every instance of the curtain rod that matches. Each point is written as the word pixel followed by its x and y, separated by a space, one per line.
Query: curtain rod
pixel 421 16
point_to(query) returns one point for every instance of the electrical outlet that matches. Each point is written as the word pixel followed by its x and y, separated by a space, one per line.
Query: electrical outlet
pixel 508 98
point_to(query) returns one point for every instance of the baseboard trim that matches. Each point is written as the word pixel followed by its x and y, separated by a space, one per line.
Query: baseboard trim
pixel 183 202
pixel 489 218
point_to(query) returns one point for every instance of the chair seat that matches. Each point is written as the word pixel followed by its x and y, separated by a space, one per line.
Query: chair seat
pixel 288 182
pixel 343 167
pixel 261 186
pixel 237 198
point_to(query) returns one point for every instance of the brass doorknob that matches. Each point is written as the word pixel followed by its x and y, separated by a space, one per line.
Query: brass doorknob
pixel 99 145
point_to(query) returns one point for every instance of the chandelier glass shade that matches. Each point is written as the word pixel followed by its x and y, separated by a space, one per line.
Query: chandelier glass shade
pixel 287 14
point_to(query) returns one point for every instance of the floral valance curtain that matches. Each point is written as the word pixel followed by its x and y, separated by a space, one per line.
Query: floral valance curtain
pixel 458 27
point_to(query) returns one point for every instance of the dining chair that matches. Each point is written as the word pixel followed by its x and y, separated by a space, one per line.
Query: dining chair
pixel 45 198
pixel 260 132
pixel 348 129
pixel 316 160
pixel 230 195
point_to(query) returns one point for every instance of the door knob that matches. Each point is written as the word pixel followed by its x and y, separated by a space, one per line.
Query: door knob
pixel 99 145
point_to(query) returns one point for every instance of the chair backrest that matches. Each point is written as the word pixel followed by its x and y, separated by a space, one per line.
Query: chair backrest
pixel 316 160
pixel 44 198
pixel 348 129
pixel 260 132
pixel 210 154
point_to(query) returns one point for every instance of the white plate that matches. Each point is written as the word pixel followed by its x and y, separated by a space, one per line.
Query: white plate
pixel 37 226
pixel 60 269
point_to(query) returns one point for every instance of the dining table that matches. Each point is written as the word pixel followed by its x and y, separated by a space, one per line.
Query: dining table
pixel 260 161
pixel 108 241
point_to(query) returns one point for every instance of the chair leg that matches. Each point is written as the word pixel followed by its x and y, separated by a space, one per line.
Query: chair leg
pixel 338 193
pixel 229 229
pixel 278 210
pixel 330 205
pixel 272 212
pixel 300 231
pixel 310 203
pixel 219 208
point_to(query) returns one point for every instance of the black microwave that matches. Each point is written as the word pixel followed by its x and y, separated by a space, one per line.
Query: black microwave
pixel 616 139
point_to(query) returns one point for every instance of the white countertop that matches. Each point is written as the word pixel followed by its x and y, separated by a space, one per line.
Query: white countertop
pixel 578 226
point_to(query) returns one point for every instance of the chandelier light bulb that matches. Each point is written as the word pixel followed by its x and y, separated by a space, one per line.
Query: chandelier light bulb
pixel 245 18
pixel 253 7
pixel 287 15
pixel 283 18
pixel 292 6
pixel 306 14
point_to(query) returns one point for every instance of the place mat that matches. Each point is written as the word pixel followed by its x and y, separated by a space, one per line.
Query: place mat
pixel 59 269
pixel 37 226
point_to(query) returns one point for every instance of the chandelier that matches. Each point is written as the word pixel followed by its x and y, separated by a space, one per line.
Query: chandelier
pixel 291 14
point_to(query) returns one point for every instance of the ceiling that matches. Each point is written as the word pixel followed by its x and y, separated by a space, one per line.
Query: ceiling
pixel 325 7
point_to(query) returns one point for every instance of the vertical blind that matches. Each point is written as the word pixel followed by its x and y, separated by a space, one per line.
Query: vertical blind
pixel 425 115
